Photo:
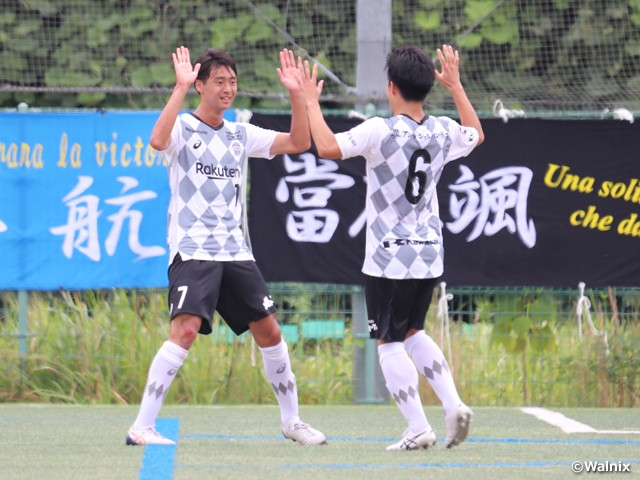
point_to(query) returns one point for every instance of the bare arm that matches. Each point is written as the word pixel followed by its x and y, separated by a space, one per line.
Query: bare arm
pixel 185 76
pixel 450 78
pixel 323 137
pixel 298 139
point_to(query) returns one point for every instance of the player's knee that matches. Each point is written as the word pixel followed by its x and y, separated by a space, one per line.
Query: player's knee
pixel 184 330
pixel 266 332
pixel 189 333
pixel 274 337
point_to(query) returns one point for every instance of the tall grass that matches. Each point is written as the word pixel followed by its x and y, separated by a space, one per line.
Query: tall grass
pixel 574 371
pixel 96 347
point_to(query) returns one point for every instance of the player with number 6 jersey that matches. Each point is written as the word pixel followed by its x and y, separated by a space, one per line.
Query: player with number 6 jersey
pixel 405 159
pixel 404 255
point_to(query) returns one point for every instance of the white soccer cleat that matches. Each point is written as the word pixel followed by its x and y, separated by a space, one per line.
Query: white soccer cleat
pixel 415 441
pixel 147 436
pixel 304 434
pixel 458 423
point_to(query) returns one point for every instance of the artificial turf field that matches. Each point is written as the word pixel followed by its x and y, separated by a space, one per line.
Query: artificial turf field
pixel 244 442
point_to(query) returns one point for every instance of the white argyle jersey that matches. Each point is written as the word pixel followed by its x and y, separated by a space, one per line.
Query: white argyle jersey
pixel 404 163
pixel 205 175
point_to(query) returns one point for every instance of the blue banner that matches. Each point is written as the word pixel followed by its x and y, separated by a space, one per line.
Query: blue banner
pixel 83 201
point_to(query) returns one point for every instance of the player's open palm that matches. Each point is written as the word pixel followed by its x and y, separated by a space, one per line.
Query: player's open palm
pixel 308 80
pixel 289 71
pixel 186 74
pixel 449 63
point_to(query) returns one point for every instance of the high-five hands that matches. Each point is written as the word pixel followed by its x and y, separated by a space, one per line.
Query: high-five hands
pixel 288 72
pixel 308 81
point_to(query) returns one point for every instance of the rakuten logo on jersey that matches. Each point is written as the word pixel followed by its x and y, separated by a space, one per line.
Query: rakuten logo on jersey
pixel 217 172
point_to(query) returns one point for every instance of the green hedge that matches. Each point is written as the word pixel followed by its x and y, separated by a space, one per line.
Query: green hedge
pixel 542 54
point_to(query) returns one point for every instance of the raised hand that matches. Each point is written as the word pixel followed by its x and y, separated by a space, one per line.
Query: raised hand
pixel 185 73
pixel 308 82
pixel 449 62
pixel 288 71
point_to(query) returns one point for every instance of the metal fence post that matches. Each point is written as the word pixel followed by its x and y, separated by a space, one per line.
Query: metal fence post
pixel 370 386
pixel 22 322
pixel 373 32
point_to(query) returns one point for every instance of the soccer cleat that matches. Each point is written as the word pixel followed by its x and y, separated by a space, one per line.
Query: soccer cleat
pixel 415 441
pixel 458 423
pixel 147 436
pixel 304 434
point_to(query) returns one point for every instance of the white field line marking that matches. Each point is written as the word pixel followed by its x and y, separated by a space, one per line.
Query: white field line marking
pixel 566 424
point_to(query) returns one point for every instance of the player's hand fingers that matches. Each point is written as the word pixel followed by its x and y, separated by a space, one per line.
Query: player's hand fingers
pixel 441 58
pixel 292 60
pixel 315 72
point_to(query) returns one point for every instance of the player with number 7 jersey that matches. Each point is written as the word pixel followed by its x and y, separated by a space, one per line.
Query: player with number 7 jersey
pixel 211 268
pixel 404 257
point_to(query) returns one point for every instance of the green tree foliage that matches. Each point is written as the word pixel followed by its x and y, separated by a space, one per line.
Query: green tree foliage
pixel 534 54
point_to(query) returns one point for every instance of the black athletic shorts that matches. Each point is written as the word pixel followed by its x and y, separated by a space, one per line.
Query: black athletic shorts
pixel 236 290
pixel 396 306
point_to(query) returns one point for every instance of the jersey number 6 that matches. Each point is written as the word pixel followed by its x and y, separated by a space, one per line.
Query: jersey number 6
pixel 419 175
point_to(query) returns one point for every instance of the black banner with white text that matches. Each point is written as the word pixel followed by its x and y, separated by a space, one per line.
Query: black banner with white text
pixel 541 202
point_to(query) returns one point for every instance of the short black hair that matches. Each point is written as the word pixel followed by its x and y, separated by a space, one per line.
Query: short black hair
pixel 412 70
pixel 212 60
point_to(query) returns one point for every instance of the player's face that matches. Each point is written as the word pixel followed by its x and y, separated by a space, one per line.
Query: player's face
pixel 220 89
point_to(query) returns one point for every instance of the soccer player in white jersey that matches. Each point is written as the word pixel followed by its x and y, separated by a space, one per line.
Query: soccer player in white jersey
pixel 405 156
pixel 211 266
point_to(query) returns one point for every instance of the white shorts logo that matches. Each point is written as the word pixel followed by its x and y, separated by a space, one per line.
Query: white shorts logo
pixel 373 326
pixel 267 303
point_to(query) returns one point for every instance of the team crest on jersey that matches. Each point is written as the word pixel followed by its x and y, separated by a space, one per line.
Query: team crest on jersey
pixel 237 148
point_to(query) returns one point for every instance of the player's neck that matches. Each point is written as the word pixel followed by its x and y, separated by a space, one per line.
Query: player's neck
pixel 410 109
pixel 209 116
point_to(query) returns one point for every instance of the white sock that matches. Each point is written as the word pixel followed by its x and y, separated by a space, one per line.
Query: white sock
pixel 277 366
pixel 162 371
pixel 402 381
pixel 431 363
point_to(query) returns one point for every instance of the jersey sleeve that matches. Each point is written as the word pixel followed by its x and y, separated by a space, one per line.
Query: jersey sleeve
pixel 259 141
pixel 361 139
pixel 463 139
pixel 170 153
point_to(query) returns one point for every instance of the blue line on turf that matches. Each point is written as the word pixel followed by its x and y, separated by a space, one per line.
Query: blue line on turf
pixel 393 439
pixel 345 466
pixel 158 460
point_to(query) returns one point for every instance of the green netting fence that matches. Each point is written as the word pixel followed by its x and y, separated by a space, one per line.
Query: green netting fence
pixel 538 56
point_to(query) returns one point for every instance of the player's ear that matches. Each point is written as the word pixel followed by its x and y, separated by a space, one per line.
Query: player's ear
pixel 393 88
pixel 198 86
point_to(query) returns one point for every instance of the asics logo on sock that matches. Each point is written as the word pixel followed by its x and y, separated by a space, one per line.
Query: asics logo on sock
pixel 172 371
pixel 281 368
